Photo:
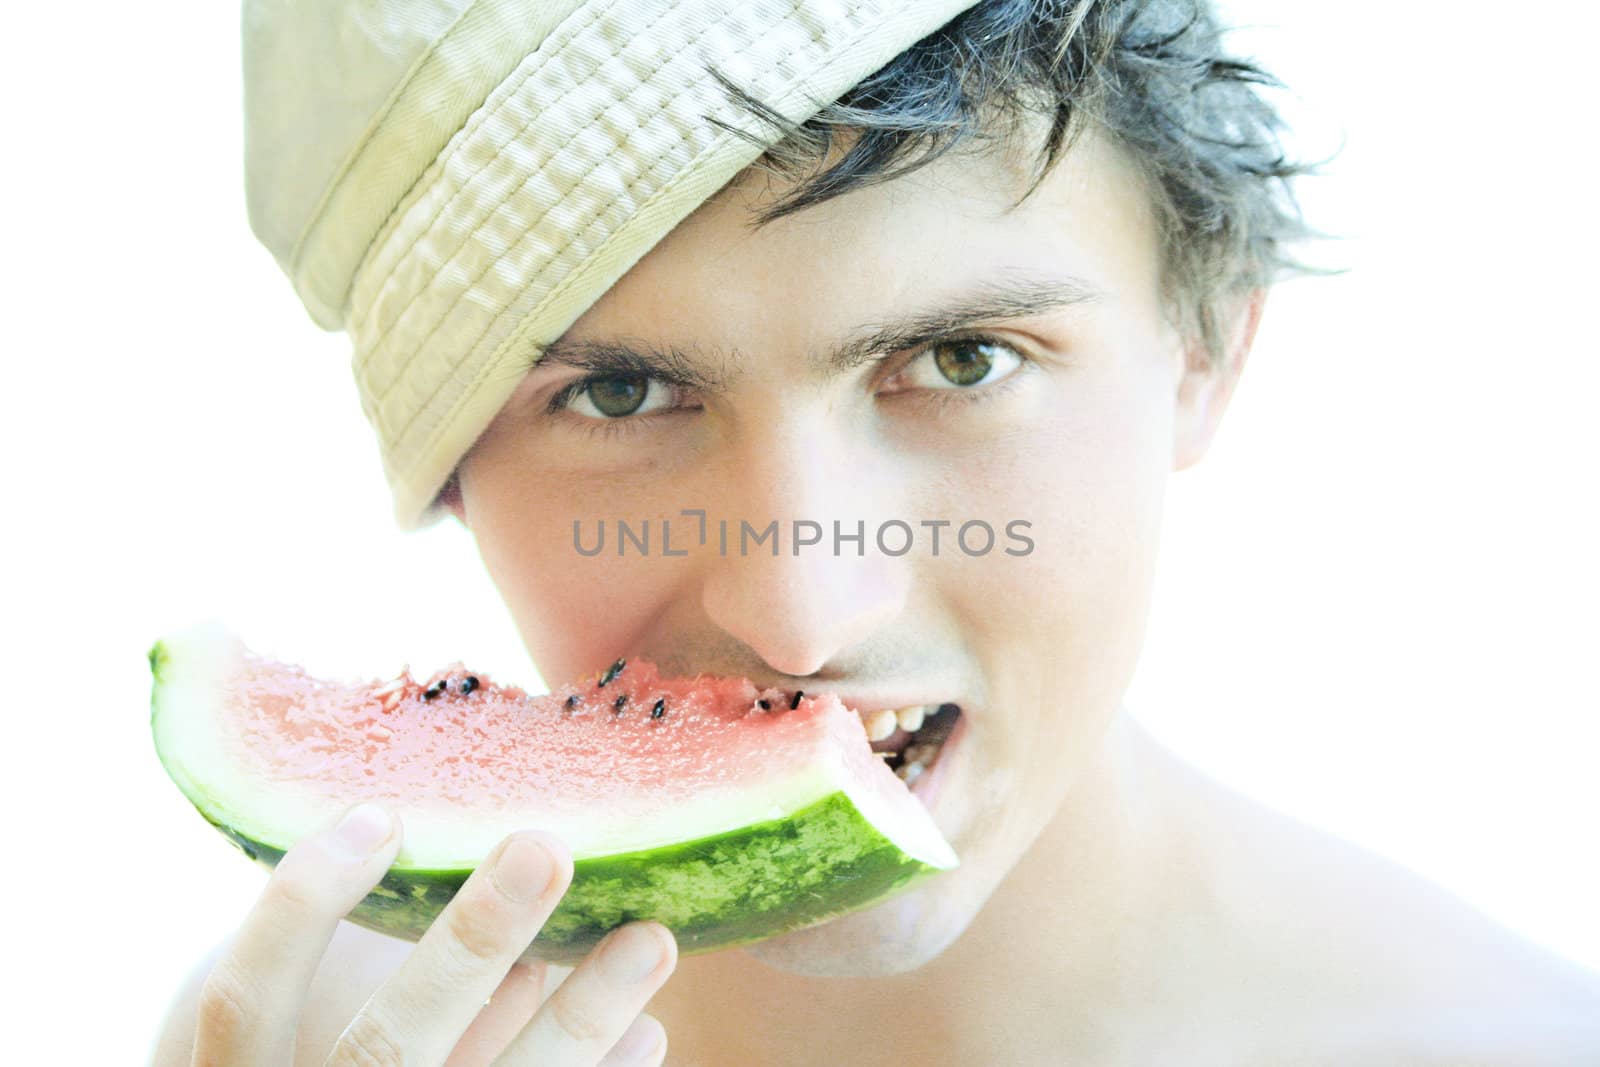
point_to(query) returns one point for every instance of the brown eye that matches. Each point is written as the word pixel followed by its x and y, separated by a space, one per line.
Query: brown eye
pixel 617 395
pixel 963 362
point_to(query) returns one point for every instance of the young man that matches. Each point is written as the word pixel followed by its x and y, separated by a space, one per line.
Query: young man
pixel 1037 323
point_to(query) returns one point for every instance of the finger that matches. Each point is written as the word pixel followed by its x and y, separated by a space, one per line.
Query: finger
pixel 249 1005
pixel 644 1044
pixel 427 1005
pixel 598 1001
pixel 510 1007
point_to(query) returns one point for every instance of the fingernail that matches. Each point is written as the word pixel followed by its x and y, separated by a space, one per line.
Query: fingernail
pixel 630 954
pixel 524 870
pixel 637 1044
pixel 363 829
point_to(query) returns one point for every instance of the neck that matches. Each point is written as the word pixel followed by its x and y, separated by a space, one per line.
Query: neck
pixel 1080 932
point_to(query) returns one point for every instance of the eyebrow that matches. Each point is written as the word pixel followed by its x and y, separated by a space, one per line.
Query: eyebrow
pixel 1010 298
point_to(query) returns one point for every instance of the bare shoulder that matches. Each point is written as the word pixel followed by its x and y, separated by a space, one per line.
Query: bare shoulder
pixel 357 962
pixel 1340 956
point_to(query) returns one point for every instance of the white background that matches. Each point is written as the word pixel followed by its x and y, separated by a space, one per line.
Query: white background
pixel 1378 597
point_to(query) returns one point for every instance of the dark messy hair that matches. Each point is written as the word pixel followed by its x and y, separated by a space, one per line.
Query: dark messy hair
pixel 1151 73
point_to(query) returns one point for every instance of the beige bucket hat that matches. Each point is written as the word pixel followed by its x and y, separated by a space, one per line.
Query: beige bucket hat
pixel 454 182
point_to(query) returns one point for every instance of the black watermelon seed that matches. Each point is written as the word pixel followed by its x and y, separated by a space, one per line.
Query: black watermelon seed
pixel 659 710
pixel 766 705
pixel 612 671
pixel 622 702
pixel 795 703
pixel 572 701
pixel 433 690
pixel 468 684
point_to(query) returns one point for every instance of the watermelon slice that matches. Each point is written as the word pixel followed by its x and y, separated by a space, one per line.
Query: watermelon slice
pixel 685 801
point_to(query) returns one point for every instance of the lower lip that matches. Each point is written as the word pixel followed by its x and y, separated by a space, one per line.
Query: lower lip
pixel 926 787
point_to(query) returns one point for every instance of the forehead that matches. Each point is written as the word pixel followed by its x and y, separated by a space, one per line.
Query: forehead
pixel 719 280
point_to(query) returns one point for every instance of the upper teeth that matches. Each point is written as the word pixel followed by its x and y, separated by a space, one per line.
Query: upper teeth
pixel 880 724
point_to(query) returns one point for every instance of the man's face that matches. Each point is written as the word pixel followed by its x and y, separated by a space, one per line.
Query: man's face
pixel 1068 417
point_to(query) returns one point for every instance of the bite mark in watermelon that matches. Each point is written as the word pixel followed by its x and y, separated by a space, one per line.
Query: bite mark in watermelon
pixel 683 800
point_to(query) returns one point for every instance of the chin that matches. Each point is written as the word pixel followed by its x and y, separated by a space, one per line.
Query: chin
pixel 891 938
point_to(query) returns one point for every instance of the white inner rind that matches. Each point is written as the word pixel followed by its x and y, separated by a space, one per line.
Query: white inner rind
pixel 189 724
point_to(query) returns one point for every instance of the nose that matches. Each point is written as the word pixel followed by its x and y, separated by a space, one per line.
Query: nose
pixel 804 605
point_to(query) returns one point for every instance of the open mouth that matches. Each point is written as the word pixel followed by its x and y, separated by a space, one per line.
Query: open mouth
pixel 910 739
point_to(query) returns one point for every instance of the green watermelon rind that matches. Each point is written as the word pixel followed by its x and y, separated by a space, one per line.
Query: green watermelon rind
pixel 716 892
pixel 818 861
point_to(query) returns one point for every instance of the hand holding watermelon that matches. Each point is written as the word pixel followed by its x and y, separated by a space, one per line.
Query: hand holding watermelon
pixel 461 992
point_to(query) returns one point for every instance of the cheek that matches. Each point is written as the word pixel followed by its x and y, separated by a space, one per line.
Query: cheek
pixel 1088 474
pixel 574 609
pixel 1096 484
